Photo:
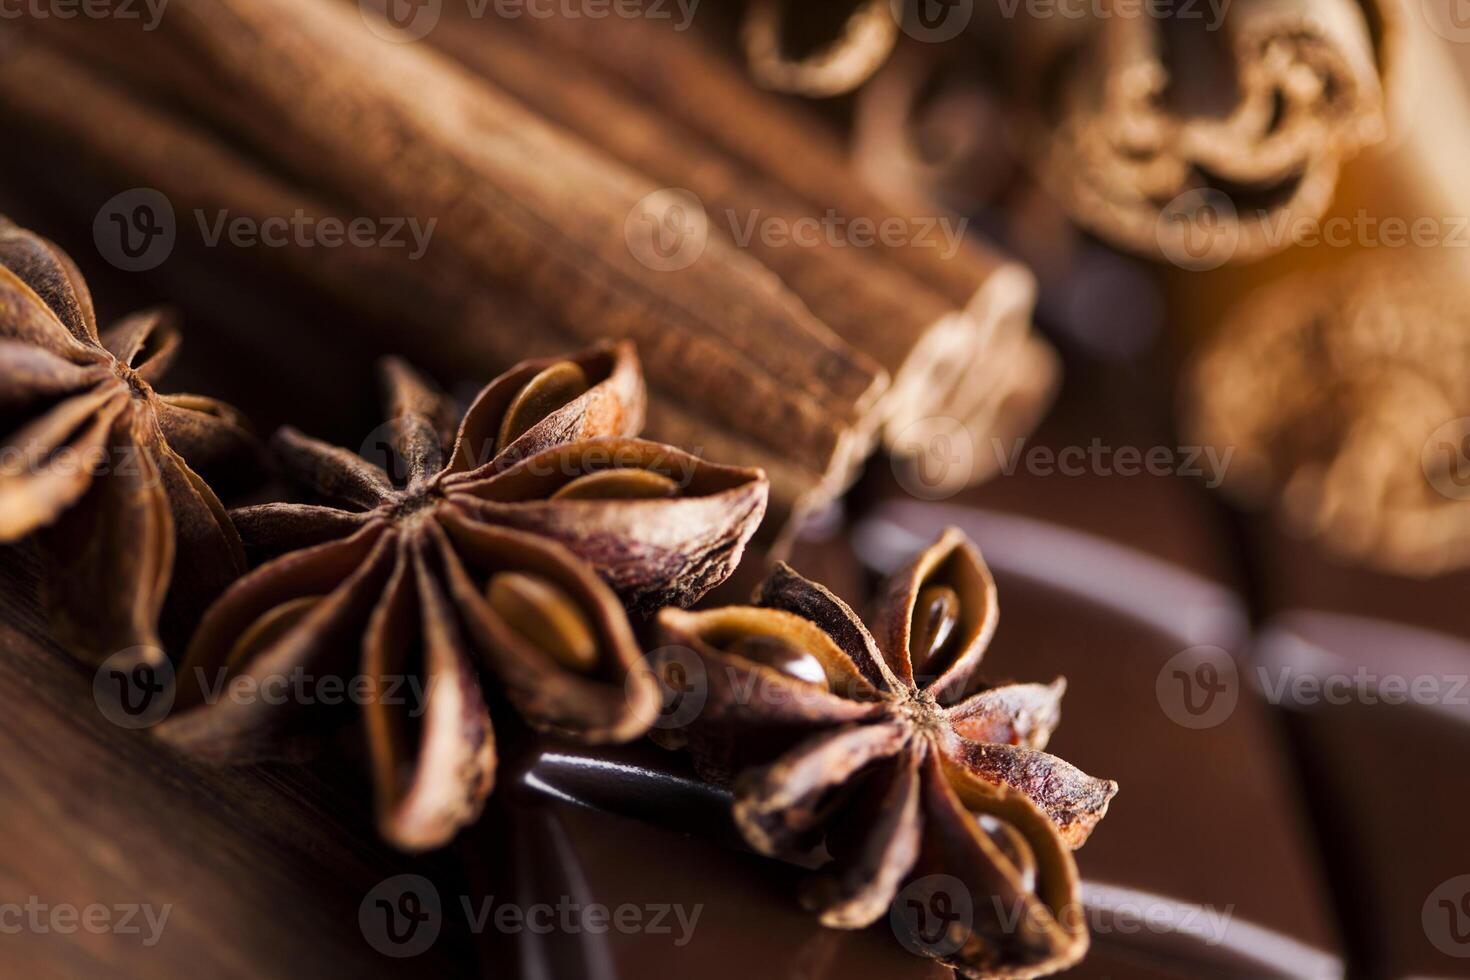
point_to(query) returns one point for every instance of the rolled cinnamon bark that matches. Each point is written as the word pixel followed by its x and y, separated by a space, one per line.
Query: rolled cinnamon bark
pixel 839 65
pixel 699 89
pixel 1341 380
pixel 1237 116
pixel 523 209
pixel 880 308
pixel 461 320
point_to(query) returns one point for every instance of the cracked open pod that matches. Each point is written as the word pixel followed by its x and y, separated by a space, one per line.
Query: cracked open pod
pixel 878 757
pixel 410 596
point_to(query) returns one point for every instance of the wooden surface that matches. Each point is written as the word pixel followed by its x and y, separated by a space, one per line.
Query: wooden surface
pixel 261 870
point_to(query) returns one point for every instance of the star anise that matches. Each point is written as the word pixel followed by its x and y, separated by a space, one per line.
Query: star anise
pixel 93 462
pixel 868 752
pixel 507 561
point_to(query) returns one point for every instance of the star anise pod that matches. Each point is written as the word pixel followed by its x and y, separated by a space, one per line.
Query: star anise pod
pixel 500 552
pixel 93 462
pixel 869 753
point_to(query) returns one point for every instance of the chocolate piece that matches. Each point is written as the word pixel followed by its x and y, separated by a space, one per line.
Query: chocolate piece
pixel 1383 706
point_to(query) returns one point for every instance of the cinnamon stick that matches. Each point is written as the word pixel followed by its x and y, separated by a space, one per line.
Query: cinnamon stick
pixel 1237 116
pixel 691 83
pixel 462 322
pixel 872 303
pixel 1338 372
pixel 396 129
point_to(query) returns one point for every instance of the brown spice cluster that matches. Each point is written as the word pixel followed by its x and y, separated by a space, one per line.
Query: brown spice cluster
pixel 507 549
pixel 877 755
pixel 98 467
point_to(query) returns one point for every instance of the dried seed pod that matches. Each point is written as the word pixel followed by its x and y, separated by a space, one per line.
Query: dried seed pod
pixel 97 465
pixel 905 781
pixel 544 615
pixel 936 614
pixel 1009 841
pixel 545 393
pixel 456 571
pixel 619 484
pixel 523 401
pixel 271 627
